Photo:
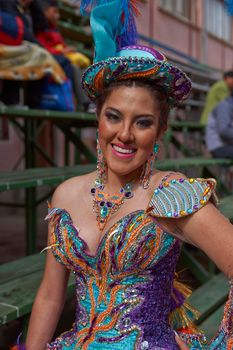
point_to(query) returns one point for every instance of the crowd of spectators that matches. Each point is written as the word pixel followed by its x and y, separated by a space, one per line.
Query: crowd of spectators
pixel 31 47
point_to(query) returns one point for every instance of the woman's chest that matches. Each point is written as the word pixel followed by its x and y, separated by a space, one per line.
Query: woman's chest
pixel 134 243
pixel 95 226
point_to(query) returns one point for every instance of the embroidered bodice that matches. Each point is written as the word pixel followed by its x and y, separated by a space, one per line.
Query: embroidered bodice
pixel 127 297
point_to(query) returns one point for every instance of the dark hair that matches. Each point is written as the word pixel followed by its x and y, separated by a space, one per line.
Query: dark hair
pixel 157 92
pixel 48 3
pixel 228 74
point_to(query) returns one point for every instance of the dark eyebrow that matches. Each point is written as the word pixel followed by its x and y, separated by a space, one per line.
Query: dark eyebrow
pixel 145 116
pixel 114 110
pixel 136 117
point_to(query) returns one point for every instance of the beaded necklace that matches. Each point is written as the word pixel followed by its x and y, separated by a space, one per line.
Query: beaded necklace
pixel 105 204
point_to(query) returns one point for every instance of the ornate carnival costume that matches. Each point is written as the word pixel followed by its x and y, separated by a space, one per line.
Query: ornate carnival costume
pixel 127 296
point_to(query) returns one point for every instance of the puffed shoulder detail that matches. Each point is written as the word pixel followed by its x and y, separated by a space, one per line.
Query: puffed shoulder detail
pixel 181 197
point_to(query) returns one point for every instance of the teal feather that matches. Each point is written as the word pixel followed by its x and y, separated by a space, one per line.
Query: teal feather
pixel 126 33
pixel 87 5
pixel 229 4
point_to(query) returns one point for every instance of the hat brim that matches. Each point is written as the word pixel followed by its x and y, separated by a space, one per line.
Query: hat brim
pixel 173 80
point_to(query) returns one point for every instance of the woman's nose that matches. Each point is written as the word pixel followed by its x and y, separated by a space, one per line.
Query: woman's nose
pixel 125 134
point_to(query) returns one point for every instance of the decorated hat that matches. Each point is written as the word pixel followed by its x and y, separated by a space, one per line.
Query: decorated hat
pixel 118 57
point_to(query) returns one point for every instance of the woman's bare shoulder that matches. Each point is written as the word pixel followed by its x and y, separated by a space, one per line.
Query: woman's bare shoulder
pixel 72 189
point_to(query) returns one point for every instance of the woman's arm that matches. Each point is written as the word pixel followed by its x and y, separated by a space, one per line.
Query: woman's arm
pixel 51 295
pixel 209 230
pixel 48 305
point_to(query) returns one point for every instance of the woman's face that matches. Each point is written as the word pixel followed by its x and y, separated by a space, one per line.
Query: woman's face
pixel 128 128
pixel 52 14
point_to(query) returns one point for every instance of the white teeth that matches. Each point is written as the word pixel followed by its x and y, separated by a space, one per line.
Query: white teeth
pixel 123 150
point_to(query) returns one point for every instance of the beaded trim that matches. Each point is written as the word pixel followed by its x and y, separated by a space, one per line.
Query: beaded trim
pixel 181 197
pixel 174 81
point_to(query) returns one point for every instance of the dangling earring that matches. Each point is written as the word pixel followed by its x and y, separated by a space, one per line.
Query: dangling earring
pixel 148 168
pixel 101 163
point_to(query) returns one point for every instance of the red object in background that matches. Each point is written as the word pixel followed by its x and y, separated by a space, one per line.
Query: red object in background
pixel 11 29
pixel 51 39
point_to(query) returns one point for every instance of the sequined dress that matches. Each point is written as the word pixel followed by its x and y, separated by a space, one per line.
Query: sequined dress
pixel 127 295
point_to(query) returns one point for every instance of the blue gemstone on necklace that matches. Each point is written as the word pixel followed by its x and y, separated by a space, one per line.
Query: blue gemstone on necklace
pixel 104 211
pixel 128 187
pixel 128 194
pixel 104 204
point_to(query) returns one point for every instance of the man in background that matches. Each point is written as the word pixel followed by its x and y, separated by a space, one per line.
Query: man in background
pixel 219 129
pixel 218 92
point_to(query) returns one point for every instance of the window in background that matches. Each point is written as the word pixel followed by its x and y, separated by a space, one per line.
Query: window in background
pixel 219 22
pixel 181 8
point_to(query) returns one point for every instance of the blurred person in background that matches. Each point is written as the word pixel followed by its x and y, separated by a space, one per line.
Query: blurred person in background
pixel 26 61
pixel 219 129
pixel 26 10
pixel 218 92
pixel 53 40
pixel 50 38
pixel 29 12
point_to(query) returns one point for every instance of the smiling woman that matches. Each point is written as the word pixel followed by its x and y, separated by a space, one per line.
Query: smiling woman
pixel 120 228
pixel 128 129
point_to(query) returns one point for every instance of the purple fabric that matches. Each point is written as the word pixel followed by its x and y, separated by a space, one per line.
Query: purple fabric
pixel 152 315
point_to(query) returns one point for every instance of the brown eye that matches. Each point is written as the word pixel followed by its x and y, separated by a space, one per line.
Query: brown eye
pixel 144 123
pixel 112 117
